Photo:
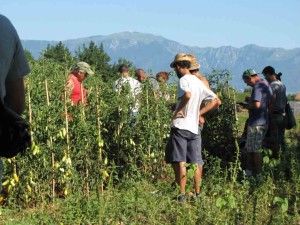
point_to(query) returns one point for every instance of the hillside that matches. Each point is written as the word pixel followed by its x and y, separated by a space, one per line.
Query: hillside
pixel 155 52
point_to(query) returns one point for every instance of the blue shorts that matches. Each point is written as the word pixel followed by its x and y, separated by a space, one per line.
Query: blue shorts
pixel 183 146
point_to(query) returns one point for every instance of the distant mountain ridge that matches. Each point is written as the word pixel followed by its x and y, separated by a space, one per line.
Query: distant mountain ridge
pixel 155 52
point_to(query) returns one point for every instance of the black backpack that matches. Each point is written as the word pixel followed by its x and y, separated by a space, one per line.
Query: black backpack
pixel 290 118
pixel 14 133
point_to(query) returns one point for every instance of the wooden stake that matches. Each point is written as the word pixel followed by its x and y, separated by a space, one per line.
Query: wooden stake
pixel 99 124
pixel 51 144
pixel 67 125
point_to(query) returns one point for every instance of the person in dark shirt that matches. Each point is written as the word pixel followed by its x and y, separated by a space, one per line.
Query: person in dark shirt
pixel 258 120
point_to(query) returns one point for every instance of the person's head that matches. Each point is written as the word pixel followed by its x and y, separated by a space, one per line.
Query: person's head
pixel 140 75
pixel 162 77
pixel 123 70
pixel 250 77
pixel 269 73
pixel 181 64
pixel 194 69
pixel 82 70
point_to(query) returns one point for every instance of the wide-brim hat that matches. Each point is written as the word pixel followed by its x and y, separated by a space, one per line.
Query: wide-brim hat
pixel 84 68
pixel 194 64
pixel 180 57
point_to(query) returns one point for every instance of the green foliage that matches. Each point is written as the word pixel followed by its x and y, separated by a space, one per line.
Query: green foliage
pixel 240 97
pixel 291 97
pixel 97 164
pixel 283 203
pixel 96 56
pixel 121 61
pixel 28 55
pixel 58 53
pixel 248 90
pixel 220 132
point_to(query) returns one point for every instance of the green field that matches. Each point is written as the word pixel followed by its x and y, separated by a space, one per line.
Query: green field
pixel 103 167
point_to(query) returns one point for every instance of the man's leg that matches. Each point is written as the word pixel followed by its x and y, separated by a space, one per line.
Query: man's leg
pixel 175 167
pixel 197 178
pixel 274 135
pixel 281 133
pixel 249 155
pixel 257 162
pixel 180 175
pixel 1 173
pixel 176 155
pixel 259 132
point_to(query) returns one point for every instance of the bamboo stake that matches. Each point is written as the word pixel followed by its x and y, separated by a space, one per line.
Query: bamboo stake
pixel 29 106
pixel 99 133
pixel 148 126
pixel 87 188
pixel 99 124
pixel 82 99
pixel 51 144
pixel 119 127
pixel 237 163
pixel 67 125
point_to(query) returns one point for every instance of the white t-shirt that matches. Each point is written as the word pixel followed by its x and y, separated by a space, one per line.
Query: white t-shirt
pixel 135 86
pixel 135 89
pixel 199 93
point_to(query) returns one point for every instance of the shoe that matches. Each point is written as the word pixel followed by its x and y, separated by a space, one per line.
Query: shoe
pixel 181 198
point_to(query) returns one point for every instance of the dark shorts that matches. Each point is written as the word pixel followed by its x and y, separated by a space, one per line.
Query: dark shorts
pixel 183 146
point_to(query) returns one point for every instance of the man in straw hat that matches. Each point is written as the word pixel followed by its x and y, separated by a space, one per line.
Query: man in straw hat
pixel 194 70
pixel 182 146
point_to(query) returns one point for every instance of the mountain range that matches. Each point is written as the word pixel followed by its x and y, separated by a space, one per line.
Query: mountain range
pixel 154 52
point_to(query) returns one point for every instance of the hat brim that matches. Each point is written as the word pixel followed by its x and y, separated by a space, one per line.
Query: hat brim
pixel 194 66
pixel 90 72
pixel 172 64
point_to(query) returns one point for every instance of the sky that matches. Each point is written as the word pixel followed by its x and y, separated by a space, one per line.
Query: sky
pixel 209 23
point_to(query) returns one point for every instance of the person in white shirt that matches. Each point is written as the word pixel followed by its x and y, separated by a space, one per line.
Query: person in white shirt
pixel 182 146
pixel 134 86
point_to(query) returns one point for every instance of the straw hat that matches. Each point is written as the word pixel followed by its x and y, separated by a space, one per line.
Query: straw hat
pixel 180 57
pixel 194 64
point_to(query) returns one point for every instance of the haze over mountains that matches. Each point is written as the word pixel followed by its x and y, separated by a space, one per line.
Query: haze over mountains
pixel 149 51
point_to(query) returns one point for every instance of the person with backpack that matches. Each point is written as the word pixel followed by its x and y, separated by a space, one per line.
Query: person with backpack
pixel 13 67
pixel 275 138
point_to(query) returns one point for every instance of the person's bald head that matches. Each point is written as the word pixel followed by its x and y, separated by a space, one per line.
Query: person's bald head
pixel 140 75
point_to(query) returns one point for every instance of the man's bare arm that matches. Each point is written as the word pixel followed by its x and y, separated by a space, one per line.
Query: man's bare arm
pixel 213 104
pixel 203 79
